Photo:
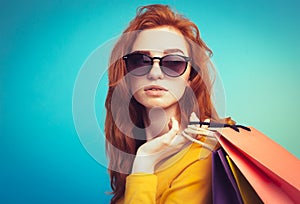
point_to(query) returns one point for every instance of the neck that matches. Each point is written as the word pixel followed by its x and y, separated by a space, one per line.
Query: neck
pixel 159 121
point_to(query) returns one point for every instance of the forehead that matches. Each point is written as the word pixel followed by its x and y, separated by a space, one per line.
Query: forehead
pixel 160 39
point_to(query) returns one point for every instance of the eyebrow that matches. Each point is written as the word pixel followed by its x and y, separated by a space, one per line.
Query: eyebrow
pixel 141 52
pixel 167 51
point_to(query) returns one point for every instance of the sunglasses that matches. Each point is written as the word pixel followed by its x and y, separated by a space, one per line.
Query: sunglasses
pixel 140 64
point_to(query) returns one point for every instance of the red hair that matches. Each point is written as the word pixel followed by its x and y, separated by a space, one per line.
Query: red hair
pixel 151 16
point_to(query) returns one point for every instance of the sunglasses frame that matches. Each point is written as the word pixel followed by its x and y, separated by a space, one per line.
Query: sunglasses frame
pixel 186 60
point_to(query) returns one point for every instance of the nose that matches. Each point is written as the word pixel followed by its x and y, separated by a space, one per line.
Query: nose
pixel 155 72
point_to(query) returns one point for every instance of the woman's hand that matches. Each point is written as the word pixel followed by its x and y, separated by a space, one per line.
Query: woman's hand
pixel 159 148
pixel 201 134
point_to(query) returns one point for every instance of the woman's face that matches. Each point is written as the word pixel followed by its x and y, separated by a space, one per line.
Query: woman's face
pixel 156 89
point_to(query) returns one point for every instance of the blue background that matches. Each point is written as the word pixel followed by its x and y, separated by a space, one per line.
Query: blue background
pixel 43 44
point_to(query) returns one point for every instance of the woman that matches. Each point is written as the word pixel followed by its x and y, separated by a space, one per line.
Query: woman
pixel 158 76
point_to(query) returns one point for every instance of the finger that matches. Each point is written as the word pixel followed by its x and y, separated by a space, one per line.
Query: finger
pixel 169 136
pixel 175 126
pixel 201 134
pixel 207 146
pixel 199 131
pixel 205 126
pixel 194 118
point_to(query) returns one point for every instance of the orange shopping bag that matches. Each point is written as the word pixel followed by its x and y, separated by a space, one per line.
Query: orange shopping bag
pixel 272 171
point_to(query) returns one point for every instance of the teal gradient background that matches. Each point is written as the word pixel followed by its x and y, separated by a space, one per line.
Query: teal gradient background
pixel 43 44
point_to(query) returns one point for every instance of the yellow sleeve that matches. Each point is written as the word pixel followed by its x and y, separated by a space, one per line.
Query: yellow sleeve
pixel 192 186
pixel 140 188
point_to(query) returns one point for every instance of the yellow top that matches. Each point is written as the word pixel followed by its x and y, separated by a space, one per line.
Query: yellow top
pixel 184 178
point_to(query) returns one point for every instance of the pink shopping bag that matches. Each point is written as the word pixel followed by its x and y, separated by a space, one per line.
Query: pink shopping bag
pixel 272 171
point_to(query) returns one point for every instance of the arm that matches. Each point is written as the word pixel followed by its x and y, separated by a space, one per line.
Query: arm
pixel 141 185
pixel 154 151
pixel 140 188
pixel 192 185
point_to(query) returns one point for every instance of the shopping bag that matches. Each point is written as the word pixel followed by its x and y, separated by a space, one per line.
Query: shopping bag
pixel 247 192
pixel 272 171
pixel 224 187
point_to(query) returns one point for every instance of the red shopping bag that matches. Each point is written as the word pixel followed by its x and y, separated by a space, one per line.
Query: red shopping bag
pixel 272 171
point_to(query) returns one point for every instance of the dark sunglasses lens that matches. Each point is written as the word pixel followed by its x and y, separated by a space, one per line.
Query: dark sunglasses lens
pixel 173 65
pixel 138 64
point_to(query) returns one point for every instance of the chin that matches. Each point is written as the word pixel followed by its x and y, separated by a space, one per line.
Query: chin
pixel 159 105
pixel 154 102
pixel 156 106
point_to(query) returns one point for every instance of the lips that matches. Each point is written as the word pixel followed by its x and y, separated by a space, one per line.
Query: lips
pixel 155 90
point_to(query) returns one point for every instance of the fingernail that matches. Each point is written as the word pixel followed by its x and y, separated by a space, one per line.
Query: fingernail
pixel 194 117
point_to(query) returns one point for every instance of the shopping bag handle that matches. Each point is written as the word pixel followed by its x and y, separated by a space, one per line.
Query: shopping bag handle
pixel 220 125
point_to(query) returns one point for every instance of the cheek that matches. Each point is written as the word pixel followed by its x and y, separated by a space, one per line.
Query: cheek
pixel 177 89
pixel 134 91
pixel 134 85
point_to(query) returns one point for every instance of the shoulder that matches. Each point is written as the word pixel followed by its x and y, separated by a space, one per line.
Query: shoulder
pixel 186 157
pixel 189 177
pixel 196 161
pixel 192 159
